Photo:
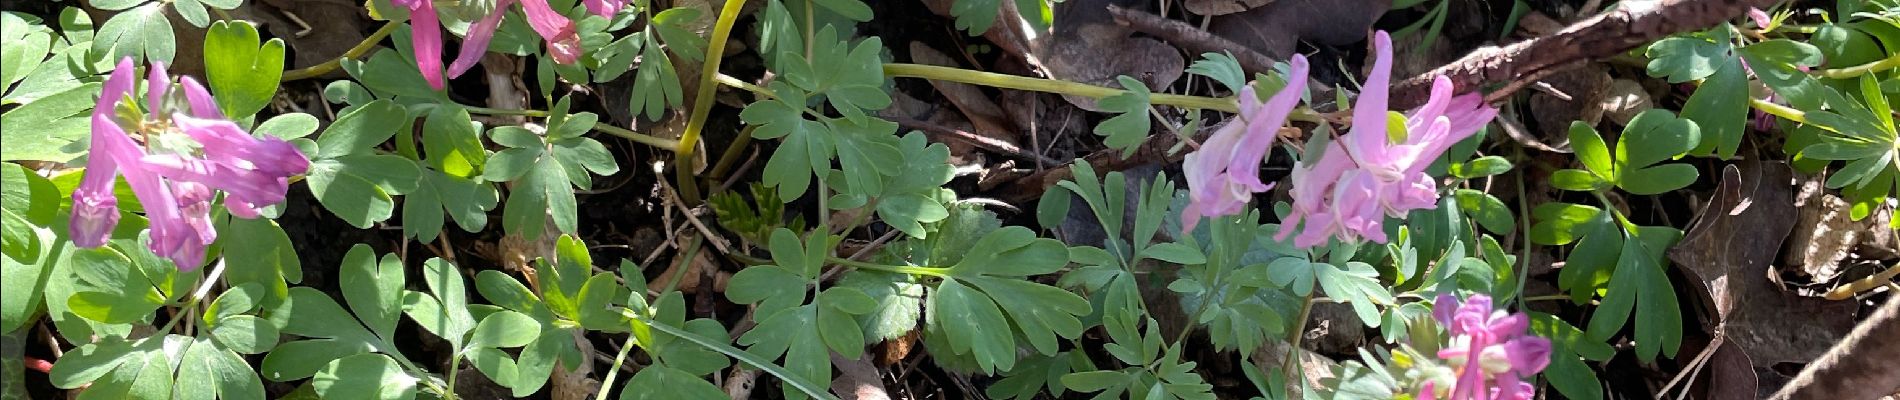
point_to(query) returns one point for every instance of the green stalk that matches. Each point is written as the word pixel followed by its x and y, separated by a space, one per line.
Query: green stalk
pixel 1858 70
pixel 618 360
pixel 900 269
pixel 815 391
pixel 601 127
pixel 1048 85
pixel 362 48
pixel 702 102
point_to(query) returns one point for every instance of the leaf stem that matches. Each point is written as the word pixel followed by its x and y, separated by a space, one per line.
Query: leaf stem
pixel 1299 327
pixel 619 358
pixel 1779 110
pixel 1524 228
pixel 362 48
pixel 940 272
pixel 900 70
pixel 601 127
pixel 1858 70
pixel 762 364
pixel 702 102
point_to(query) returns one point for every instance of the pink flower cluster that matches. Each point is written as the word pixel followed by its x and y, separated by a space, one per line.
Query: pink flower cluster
pixel 1225 172
pixel 1491 350
pixel 1371 173
pixel 190 152
pixel 563 43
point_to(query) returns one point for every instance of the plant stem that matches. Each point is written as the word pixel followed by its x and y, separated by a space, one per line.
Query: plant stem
pixel 901 269
pixel 602 127
pixel 618 359
pixel 1299 327
pixel 899 70
pixel 204 287
pixel 1858 70
pixel 685 264
pixel 363 47
pixel 1524 227
pixel 795 381
pixel 731 157
pixel 1779 110
pixel 702 102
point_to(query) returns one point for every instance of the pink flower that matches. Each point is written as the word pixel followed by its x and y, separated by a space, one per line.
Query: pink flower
pixel 1367 174
pixel 1762 21
pixel 1225 172
pixel 1505 352
pixel 426 37
pixel 604 8
pixel 176 182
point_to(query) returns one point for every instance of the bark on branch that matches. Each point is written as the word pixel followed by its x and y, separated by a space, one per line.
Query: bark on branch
pixel 1631 24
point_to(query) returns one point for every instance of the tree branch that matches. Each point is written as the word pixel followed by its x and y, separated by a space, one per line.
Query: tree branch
pixel 1631 24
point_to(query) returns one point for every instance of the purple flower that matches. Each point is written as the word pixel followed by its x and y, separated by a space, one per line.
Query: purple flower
pixel 1491 350
pixel 1225 172
pixel 1368 174
pixel 202 153
pixel 426 37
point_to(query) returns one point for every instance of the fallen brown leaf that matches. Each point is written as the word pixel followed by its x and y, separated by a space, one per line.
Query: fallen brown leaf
pixel 1728 249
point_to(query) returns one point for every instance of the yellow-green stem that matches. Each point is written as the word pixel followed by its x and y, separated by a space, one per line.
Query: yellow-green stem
pixel 1048 85
pixel 702 102
pixel 368 43
pixel 1858 70
pixel 603 127
pixel 1779 110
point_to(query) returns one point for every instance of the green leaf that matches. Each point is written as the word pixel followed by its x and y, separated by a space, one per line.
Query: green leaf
pixel 909 198
pixel 1659 179
pixel 1220 67
pixel 288 126
pixel 1358 285
pixel 1591 150
pixel 975 16
pixel 1641 283
pixel 505 329
pixel 856 10
pixel 1129 129
pixel 1558 223
pixel 1293 273
pixel 142 33
pixel 445 312
pixel 113 289
pixel 1779 62
pixel 364 376
pixel 660 382
pixel 1687 58
pixel 258 251
pixel 29 44
pixel 242 74
pixel 899 300
pixel 866 151
pixel 961 310
pixel 62 122
pixel 675 27
pixel 245 334
pixel 362 128
pixel 1569 346
pixel 655 85
pixel 1714 107
pixel 1482 167
pixel 467 201
pixel 373 289
pixel 1490 212
pixel 1654 136
pixel 359 188
pixel 205 371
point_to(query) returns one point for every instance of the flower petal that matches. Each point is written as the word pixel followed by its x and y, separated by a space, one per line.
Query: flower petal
pixel 475 44
pixel 426 39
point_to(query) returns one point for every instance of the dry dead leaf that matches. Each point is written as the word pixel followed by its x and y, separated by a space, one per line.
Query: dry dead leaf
pixel 1728 249
pixel 1089 47
pixel 976 106
pixel 1625 99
